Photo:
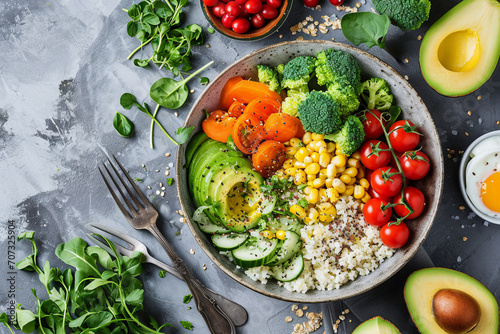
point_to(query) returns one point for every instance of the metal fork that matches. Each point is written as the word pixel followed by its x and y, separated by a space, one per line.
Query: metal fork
pixel 142 215
pixel 235 311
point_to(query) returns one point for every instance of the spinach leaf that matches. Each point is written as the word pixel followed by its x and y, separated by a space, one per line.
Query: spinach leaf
pixel 365 27
pixel 123 125
pixel 183 134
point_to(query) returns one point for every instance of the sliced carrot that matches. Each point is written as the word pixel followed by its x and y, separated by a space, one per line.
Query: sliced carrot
pixel 269 157
pixel 227 87
pixel 236 109
pixel 282 127
pixel 219 125
pixel 262 108
pixel 246 91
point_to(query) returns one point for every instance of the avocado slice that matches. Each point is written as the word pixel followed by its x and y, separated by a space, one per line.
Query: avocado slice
pixel 423 284
pixel 460 51
pixel 193 145
pixel 376 325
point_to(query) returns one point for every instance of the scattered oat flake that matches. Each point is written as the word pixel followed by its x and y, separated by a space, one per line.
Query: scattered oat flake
pixel 464 238
pixel 299 313
pixel 466 133
pixel 300 38
pixel 288 319
pixel 462 207
pixel 294 307
pixel 191 251
pixel 479 97
pixel 167 154
pixel 281 36
pixel 469 112
pixel 419 37
pixel 305 308
pixel 162 194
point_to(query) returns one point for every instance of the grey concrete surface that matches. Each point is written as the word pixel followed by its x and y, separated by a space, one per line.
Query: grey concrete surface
pixel 63 68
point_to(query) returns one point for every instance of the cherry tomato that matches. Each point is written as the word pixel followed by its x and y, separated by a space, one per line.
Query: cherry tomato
pixel 219 125
pixel 269 157
pixel 219 9
pixel 311 3
pixel 414 198
pixel 233 9
pixel 253 6
pixel 274 3
pixel 403 136
pixel 374 215
pixel 415 164
pixel 248 132
pixel 240 2
pixel 244 12
pixel 386 182
pixel 268 12
pixel 236 109
pixel 371 124
pixel 241 25
pixel 336 2
pixel 372 156
pixel 281 127
pixel 258 21
pixel 374 194
pixel 210 3
pixel 394 236
pixel 227 21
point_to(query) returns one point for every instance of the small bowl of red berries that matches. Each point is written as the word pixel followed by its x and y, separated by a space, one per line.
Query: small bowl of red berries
pixel 246 20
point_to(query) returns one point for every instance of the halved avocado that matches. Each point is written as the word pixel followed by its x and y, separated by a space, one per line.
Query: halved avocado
pixel 376 325
pixel 422 286
pixel 461 50
pixel 193 145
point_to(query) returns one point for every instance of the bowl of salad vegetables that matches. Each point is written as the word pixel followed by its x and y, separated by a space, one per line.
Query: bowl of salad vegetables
pixel 314 172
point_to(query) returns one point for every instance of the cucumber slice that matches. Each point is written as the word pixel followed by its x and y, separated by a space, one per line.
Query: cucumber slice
pixel 286 249
pixel 290 270
pixel 286 224
pixel 255 252
pixel 229 241
pixel 205 224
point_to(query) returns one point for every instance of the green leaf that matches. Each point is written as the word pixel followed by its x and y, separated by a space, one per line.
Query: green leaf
pixel 170 181
pixel 211 30
pixel 95 283
pixel 25 319
pixel 73 253
pixel 169 93
pixel 204 81
pixel 187 325
pixel 123 125
pixel 187 298
pixel 133 28
pixel 151 19
pixel 162 273
pixel 141 62
pixel 183 134
pixel 78 321
pixel 365 27
pixel 132 264
pixel 29 262
pixel 102 257
pixel 393 114
pixel 133 11
pixel 99 319
pixel 108 274
pixel 128 100
pixel 136 297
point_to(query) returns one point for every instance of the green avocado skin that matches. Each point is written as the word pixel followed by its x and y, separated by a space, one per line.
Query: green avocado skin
pixel 214 169
pixel 376 325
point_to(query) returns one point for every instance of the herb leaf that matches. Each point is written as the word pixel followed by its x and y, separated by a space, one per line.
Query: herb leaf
pixel 187 325
pixel 187 298
pixel 123 125
pixel 365 27
pixel 183 134
pixel 128 100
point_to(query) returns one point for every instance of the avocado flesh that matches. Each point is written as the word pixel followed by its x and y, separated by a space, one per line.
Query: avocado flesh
pixel 460 51
pixel 193 145
pixel 376 325
pixel 423 284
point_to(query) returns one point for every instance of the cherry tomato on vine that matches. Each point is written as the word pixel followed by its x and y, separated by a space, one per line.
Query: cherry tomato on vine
pixel 258 21
pixel 373 155
pixel 241 25
pixel 274 3
pixel 227 21
pixel 415 164
pixel 414 198
pixel 253 6
pixel 374 194
pixel 371 124
pixel 403 136
pixel 311 3
pixel 394 236
pixel 268 12
pixel 210 3
pixel 373 213
pixel 387 181
pixel 336 2
pixel 219 9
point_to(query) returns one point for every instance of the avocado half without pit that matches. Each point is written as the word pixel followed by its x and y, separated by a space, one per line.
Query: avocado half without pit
pixel 460 51
pixel 442 301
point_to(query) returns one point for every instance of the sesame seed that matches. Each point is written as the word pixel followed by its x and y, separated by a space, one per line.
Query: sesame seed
pixel 191 251
pixel 167 154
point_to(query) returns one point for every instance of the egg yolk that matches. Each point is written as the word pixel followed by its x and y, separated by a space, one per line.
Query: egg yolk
pixel 490 192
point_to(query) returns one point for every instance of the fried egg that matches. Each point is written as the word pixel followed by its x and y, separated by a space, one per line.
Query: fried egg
pixel 490 144
pixel 483 181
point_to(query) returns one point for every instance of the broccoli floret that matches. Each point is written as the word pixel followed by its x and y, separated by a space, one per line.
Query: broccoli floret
pixel 345 95
pixel 377 94
pixel 297 73
pixel 350 137
pixel 334 66
pixel 290 104
pixel 320 113
pixel 268 76
pixel 406 14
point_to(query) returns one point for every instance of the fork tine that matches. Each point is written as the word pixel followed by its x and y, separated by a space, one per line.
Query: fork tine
pixel 120 249
pixel 111 231
pixel 127 214
pixel 138 191
pixel 138 204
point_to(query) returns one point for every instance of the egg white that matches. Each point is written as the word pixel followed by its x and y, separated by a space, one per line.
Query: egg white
pixel 478 170
pixel 490 144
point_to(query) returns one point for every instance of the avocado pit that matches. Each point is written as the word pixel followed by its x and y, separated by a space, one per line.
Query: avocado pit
pixel 456 312
pixel 460 51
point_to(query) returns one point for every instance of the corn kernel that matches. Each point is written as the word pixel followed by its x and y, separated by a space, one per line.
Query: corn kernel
pixel 306 139
pixel 359 192
pixel 334 195
pixel 299 164
pixel 300 177
pixel 310 146
pixel 361 206
pixel 356 155
pixel 349 190
pixel 322 150
pixel 339 185
pixel 351 171
pixel 337 146
pixel 268 234
pixel 319 182
pixel 313 214
pixel 330 147
pixel 317 136
pixel 307 190
pixel 364 183
pixel 290 171
pixel 351 162
pixel 319 144
pixel 313 169
pixel 280 173
pixel 331 170
pixel 324 159
pixel 308 160
pixel 353 181
pixel 339 160
pixel 289 163
pixel 323 194
pixel 338 152
pixel 298 211
pixel 345 178
pixel 323 173
pixel 340 169
pixel 311 177
pixel 280 234
pixel 301 154
pixel 328 182
pixel 315 156
pixel 291 151
pixel 361 173
pixel 313 196
pixel 295 142
pixel 366 198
